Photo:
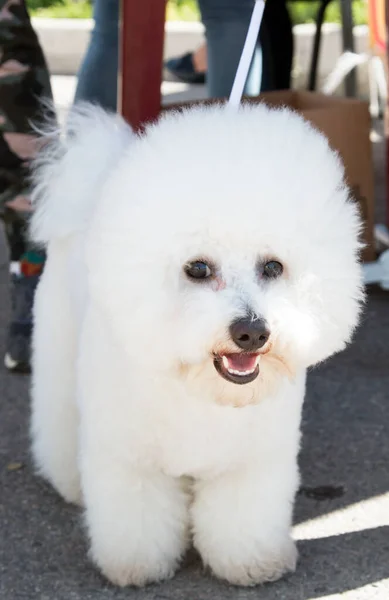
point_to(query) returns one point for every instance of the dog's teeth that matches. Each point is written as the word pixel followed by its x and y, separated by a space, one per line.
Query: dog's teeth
pixel 226 365
pixel 240 373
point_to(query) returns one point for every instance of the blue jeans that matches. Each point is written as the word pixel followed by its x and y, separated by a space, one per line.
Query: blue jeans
pixel 226 23
pixel 97 78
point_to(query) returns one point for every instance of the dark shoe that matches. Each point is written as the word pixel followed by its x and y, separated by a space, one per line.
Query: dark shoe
pixel 18 356
pixel 183 68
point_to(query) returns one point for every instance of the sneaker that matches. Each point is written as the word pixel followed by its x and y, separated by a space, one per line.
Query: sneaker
pixel 183 69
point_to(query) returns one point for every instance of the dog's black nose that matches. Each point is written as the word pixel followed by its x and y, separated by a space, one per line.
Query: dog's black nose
pixel 249 334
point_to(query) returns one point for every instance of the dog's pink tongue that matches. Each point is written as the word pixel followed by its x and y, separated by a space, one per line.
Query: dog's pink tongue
pixel 241 362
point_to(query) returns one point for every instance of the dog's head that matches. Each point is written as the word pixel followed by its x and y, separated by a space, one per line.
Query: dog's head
pixel 224 249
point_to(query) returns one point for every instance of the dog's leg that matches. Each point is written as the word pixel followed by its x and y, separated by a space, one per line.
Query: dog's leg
pixel 54 419
pixel 241 523
pixel 137 521
pixel 137 517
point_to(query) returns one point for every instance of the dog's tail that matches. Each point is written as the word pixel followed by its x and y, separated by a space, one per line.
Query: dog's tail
pixel 71 168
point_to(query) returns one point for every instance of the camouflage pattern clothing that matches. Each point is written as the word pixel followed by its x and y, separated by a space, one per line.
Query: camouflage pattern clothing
pixel 24 85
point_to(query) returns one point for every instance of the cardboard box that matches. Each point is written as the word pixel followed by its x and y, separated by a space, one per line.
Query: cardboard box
pixel 346 123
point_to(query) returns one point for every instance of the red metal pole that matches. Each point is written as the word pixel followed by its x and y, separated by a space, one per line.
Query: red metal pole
pixel 142 24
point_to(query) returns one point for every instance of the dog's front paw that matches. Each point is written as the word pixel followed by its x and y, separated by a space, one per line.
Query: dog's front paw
pixel 262 567
pixel 139 573
pixel 138 525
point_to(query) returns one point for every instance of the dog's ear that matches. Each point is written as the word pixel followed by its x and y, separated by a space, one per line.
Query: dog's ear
pixel 71 168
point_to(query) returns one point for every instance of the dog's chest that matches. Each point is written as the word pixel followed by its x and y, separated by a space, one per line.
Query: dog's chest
pixel 183 435
pixel 200 441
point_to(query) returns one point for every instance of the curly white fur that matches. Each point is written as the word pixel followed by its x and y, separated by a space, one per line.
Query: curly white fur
pixel 127 405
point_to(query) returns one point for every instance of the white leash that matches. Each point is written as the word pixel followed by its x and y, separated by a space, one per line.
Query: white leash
pixel 247 54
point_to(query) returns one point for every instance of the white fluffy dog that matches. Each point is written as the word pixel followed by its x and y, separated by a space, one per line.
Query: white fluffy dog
pixel 194 273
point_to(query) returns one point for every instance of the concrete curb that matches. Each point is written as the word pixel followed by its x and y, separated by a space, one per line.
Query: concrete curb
pixel 65 41
pixel 64 58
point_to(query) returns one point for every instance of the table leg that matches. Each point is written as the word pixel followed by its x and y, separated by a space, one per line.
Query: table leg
pixel 142 25
pixel 348 44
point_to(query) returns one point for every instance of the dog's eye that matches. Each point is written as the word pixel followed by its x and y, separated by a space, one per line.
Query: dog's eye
pixel 272 269
pixel 198 270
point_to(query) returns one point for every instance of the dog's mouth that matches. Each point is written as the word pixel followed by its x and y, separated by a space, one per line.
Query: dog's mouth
pixel 239 367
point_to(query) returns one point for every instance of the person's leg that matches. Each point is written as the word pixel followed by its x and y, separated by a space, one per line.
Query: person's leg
pixel 267 66
pixel 24 83
pixel 97 79
pixel 280 36
pixel 226 23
